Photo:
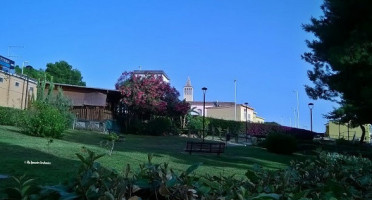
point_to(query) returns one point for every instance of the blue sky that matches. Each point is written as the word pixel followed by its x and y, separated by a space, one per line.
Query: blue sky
pixel 214 42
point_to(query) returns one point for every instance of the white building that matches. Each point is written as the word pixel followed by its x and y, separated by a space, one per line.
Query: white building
pixel 156 73
pixel 220 110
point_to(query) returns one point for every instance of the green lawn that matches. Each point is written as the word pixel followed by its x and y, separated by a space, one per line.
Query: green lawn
pixel 16 148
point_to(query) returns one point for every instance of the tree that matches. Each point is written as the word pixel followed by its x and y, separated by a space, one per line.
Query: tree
pixel 342 59
pixel 33 73
pixel 149 96
pixel 62 72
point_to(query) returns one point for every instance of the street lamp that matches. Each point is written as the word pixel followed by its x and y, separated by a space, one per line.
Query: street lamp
pixel 23 65
pixel 311 106
pixel 204 91
pixel 246 121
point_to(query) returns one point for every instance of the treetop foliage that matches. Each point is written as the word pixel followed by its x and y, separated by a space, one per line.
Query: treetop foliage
pixel 64 73
pixel 342 58
pixel 59 72
pixel 150 95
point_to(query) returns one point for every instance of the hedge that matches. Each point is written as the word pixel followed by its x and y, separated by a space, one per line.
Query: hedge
pixel 260 130
pixel 11 116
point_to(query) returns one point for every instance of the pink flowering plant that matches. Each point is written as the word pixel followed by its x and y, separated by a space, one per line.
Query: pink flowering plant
pixel 148 95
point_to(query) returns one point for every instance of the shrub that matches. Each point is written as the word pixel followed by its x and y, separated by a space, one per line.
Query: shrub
pixel 281 143
pixel 329 176
pixel 158 126
pixel 10 116
pixel 195 124
pixel 44 120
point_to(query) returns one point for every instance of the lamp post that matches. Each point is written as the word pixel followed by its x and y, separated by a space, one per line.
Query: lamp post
pixel 246 121
pixel 204 91
pixel 23 65
pixel 311 106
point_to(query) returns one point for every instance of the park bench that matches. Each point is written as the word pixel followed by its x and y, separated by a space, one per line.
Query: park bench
pixel 205 147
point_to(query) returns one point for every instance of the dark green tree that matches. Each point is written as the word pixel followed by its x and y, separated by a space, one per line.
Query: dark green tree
pixel 342 58
pixel 33 73
pixel 63 72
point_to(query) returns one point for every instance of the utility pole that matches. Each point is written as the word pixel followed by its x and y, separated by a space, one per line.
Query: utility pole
pixel 298 111
pixel 235 100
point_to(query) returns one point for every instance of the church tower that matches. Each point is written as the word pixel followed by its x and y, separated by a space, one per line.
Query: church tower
pixel 188 91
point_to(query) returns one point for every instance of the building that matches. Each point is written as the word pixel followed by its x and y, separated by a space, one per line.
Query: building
pixel 7 65
pixel 93 107
pixel 243 113
pixel 335 130
pixel 156 73
pixel 220 110
pixel 16 91
pixel 188 91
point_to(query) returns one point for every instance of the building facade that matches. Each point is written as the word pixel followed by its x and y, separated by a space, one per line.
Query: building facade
pixel 7 65
pixel 156 73
pixel 16 91
pixel 220 110
pixel 335 130
pixel 188 91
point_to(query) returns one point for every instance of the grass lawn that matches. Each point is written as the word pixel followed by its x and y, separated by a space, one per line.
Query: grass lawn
pixel 16 148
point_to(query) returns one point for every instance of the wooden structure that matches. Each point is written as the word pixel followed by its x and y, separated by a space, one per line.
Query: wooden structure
pixel 205 147
pixel 91 104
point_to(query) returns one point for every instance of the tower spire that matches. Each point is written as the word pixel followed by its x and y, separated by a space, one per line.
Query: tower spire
pixel 188 91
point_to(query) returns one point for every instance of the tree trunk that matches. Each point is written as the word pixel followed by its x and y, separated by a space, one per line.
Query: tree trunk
pixel 363 134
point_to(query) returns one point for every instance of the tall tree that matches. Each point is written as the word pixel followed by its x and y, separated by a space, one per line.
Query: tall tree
pixel 63 72
pixel 342 59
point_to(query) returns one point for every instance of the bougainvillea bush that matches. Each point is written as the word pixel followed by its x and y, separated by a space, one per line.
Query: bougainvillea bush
pixel 146 97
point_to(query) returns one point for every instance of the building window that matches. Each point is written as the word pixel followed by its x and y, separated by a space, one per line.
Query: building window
pixel 1 80
pixel 16 84
pixel 31 89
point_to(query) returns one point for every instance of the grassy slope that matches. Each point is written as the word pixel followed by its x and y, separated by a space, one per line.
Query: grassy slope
pixel 15 148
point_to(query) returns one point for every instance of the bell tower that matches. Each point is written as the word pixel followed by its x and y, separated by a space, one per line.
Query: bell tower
pixel 188 91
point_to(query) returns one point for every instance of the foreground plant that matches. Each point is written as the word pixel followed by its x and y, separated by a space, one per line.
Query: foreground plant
pixel 329 176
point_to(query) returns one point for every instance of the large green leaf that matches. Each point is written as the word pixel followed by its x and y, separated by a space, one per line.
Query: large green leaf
pixel 193 168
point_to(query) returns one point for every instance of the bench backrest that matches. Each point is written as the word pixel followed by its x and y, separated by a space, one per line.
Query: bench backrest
pixel 203 146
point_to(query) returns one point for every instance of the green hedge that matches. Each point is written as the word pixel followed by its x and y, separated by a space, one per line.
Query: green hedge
pixel 11 116
pixel 158 126
pixel 254 129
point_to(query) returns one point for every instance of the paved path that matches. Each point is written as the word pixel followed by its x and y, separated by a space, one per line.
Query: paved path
pixel 229 143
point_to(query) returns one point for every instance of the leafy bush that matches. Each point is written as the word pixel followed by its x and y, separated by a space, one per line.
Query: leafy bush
pixel 234 127
pixel 195 124
pixel 328 176
pixel 281 143
pixel 10 116
pixel 158 126
pixel 44 120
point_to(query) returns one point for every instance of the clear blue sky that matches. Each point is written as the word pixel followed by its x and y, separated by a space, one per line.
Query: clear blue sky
pixel 258 43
